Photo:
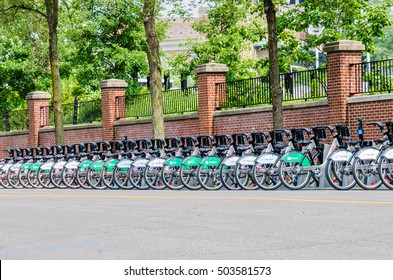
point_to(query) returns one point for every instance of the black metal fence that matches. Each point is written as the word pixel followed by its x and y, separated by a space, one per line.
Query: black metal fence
pixel 14 120
pixel 177 101
pixel 373 77
pixel 303 85
pixel 74 113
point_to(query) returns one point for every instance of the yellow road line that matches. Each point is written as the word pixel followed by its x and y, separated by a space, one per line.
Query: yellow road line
pixel 203 197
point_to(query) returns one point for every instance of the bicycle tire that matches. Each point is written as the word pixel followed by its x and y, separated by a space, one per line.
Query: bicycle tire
pixel 209 178
pixel 289 173
pixel 3 178
pixel 153 178
pixel 44 179
pixel 385 171
pixel 69 177
pixel 95 180
pixel 121 178
pixel 244 178
pixel 81 178
pixel 56 178
pixel 364 171
pixel 188 177
pixel 227 177
pixel 339 175
pixel 266 176
pixel 22 176
pixel 171 177
pixel 107 178
pixel 136 173
pixel 13 179
pixel 32 178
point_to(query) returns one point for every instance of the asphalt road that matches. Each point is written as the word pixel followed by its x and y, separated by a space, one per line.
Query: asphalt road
pixel 90 224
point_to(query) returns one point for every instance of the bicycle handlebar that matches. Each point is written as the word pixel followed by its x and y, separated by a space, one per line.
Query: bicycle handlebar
pixel 379 124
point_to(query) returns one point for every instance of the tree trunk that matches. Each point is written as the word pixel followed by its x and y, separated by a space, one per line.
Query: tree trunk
pixel 276 92
pixel 155 70
pixel 52 18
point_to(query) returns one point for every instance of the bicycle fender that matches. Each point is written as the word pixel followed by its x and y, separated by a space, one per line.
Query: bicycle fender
pixel 85 164
pixel 36 166
pixel 295 157
pixel 97 166
pixel 124 164
pixel 6 166
pixel 173 161
pixel 230 161
pixel 368 153
pixel 60 164
pixel 192 161
pixel 47 166
pixel 16 166
pixel 72 164
pixel 26 166
pixel 156 162
pixel 268 158
pixel 341 155
pixel 247 160
pixel 388 153
pixel 110 165
pixel 140 162
pixel 210 162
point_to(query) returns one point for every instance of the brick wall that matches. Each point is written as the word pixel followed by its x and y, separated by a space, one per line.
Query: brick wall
pixel 9 140
pixel 375 108
pixel 208 75
pixel 72 134
pixel 260 119
pixel 110 89
pixel 174 126
pixel 341 79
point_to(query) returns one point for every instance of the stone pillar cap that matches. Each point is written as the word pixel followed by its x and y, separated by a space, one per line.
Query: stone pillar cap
pixel 344 45
pixel 113 83
pixel 38 95
pixel 211 67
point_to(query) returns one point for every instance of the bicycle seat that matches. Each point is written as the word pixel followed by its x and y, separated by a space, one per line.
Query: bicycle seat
pixel 171 145
pixel 48 153
pixel 128 148
pixel 240 142
pixel 353 142
pixel 257 140
pixel 343 131
pixel 221 143
pixel 156 146
pixel 280 146
pixel 205 142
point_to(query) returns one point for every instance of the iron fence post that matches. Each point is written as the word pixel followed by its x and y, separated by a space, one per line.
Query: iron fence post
pixel 7 119
pixel 75 116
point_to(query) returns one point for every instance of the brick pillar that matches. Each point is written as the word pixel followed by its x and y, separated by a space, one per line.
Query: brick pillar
pixel 37 117
pixel 208 75
pixel 341 76
pixel 110 89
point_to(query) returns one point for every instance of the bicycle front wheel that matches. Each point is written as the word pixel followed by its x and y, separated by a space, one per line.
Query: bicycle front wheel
pixel 69 177
pixel 366 174
pixel 339 174
pixel 385 171
pixel 209 177
pixel 293 176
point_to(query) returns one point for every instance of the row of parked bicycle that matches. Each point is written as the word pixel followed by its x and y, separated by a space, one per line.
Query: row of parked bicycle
pixel 296 158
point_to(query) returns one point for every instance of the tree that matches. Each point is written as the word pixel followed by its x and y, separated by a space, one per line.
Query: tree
pixel 52 17
pixel 106 39
pixel 48 11
pixel 149 12
pixel 333 20
pixel 274 74
pixel 230 31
